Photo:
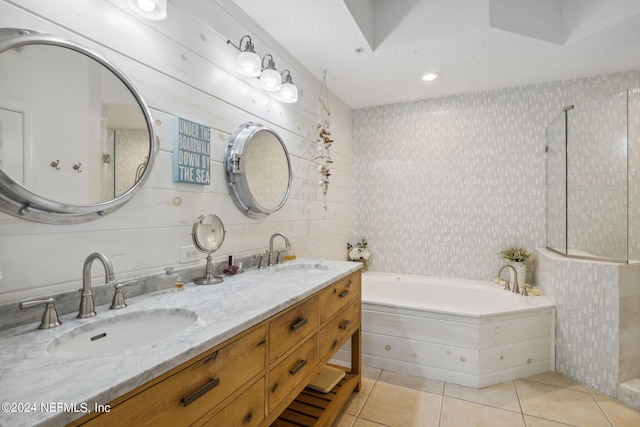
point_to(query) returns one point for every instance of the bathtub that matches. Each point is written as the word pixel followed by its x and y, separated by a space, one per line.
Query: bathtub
pixel 471 333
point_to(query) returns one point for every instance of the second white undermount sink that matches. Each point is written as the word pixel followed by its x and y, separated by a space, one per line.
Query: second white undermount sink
pixel 297 266
pixel 122 332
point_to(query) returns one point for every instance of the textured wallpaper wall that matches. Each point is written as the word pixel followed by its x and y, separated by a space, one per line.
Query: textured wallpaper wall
pixel 444 184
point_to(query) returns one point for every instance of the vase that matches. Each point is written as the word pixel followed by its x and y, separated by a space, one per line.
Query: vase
pixel 521 270
pixel 364 264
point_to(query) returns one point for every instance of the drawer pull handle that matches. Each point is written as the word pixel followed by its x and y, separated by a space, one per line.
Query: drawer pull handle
pixel 247 418
pixel 298 324
pixel 344 325
pixel 297 368
pixel 192 398
pixel 344 294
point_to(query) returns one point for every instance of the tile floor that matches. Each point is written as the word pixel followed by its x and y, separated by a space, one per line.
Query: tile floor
pixel 545 400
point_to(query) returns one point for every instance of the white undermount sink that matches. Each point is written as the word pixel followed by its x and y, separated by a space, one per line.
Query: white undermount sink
pixel 121 332
pixel 308 266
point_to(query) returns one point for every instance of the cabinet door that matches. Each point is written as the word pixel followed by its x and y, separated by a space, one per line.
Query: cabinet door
pixel 287 374
pixel 338 295
pixel 247 410
pixel 288 329
pixel 195 390
pixel 339 329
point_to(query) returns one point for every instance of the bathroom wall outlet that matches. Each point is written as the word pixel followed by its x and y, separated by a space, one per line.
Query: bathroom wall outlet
pixel 189 254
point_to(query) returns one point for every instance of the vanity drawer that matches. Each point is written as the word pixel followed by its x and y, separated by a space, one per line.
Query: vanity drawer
pixel 338 295
pixel 339 329
pixel 247 410
pixel 193 391
pixel 287 374
pixel 289 328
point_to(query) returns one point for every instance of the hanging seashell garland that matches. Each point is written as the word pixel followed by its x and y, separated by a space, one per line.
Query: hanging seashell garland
pixel 324 141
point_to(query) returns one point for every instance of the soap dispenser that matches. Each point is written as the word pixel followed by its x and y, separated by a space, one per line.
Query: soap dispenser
pixel 291 253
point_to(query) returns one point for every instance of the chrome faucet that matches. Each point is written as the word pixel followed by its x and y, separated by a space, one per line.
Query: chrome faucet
pixel 516 288
pixel 87 308
pixel 286 243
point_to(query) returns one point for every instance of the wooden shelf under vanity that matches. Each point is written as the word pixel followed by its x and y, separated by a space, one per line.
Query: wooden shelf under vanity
pixel 314 408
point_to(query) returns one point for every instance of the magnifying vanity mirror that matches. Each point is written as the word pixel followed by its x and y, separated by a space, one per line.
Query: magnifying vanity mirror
pixel 208 234
pixel 258 170
pixel 76 139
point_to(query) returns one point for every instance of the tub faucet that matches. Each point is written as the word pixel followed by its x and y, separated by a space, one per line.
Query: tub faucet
pixel 286 244
pixel 87 308
pixel 516 288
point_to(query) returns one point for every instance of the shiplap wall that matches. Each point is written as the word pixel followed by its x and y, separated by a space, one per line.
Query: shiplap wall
pixel 183 67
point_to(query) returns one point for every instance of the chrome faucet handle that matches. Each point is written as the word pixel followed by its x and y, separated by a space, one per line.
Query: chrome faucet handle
pixel 524 291
pixel 259 258
pixel 50 317
pixel 118 296
pixel 278 253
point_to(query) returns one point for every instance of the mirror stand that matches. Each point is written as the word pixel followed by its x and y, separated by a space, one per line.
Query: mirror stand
pixel 208 234
pixel 209 278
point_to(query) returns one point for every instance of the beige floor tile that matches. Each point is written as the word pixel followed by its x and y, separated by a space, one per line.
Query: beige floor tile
pixel 619 414
pixel 344 420
pixel 357 400
pixel 559 380
pixel 501 396
pixel 460 413
pixel 541 422
pixel 559 404
pixel 366 423
pixel 397 406
pixel 371 373
pixel 418 383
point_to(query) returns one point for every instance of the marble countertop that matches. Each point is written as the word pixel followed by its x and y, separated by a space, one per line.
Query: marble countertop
pixel 38 388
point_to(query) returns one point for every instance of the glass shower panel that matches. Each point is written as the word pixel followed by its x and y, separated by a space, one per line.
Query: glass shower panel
pixel 556 183
pixel 634 174
pixel 597 178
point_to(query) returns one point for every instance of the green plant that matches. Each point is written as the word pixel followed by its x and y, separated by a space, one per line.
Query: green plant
pixel 515 253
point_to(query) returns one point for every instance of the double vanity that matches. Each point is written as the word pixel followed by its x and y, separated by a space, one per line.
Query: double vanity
pixel 239 353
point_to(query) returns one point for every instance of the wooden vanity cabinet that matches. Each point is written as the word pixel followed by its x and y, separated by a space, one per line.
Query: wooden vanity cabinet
pixel 258 377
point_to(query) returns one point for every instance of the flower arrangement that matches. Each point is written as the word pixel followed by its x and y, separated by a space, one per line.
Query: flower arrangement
pixel 515 254
pixel 359 252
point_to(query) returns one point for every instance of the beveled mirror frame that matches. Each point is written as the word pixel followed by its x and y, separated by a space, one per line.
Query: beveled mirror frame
pixel 19 201
pixel 239 189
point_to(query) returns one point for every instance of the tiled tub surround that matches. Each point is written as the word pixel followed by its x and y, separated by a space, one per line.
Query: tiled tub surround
pixel 597 324
pixel 29 374
pixel 444 184
pixel 466 332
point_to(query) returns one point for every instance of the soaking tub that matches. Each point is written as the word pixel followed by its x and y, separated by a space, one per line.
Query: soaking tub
pixel 471 333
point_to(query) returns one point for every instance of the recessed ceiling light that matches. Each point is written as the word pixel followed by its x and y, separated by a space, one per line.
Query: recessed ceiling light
pixel 430 77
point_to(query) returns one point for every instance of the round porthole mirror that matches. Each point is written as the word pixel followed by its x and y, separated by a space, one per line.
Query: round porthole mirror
pixel 258 170
pixel 76 139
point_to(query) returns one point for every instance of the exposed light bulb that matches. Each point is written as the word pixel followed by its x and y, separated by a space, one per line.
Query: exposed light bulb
pixel 430 77
pixel 270 80
pixel 146 5
pixel 156 10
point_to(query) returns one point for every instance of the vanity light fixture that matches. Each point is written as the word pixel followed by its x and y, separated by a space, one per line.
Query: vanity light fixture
pixel 248 62
pixel 270 79
pixel 429 77
pixel 288 91
pixel 155 10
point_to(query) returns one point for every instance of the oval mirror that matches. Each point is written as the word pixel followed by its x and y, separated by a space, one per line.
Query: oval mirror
pixel 208 234
pixel 76 139
pixel 258 170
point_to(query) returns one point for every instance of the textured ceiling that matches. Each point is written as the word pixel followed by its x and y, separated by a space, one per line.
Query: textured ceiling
pixel 375 51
